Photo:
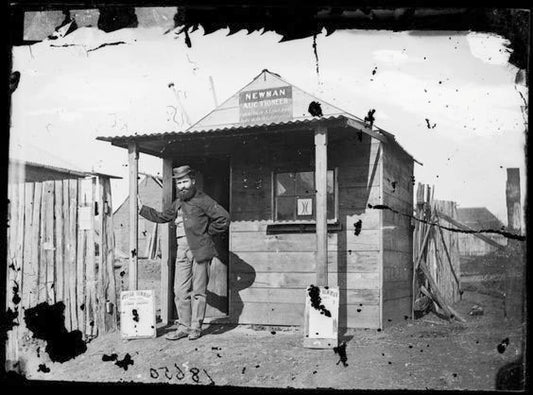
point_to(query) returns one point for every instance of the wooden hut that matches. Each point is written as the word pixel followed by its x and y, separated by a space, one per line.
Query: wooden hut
pixel 306 195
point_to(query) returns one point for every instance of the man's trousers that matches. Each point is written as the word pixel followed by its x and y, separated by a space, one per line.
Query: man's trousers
pixel 190 287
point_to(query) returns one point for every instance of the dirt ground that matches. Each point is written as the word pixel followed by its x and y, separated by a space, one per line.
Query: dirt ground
pixel 427 353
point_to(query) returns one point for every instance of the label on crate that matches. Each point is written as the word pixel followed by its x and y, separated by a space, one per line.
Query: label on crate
pixel 323 321
pixel 137 314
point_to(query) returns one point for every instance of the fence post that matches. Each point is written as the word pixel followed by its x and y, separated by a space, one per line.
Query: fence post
pixel 133 163
pixel 321 168
pixel 167 247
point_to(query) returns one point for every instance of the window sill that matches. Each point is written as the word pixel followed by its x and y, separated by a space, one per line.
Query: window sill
pixel 299 227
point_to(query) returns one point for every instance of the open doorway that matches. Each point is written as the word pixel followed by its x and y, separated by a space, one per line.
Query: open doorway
pixel 213 178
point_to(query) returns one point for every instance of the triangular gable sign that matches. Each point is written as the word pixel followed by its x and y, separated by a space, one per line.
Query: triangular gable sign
pixel 268 99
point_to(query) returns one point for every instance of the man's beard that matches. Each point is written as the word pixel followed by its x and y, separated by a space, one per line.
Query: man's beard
pixel 187 193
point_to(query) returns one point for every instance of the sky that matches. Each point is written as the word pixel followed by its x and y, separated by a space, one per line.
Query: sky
pixel 461 82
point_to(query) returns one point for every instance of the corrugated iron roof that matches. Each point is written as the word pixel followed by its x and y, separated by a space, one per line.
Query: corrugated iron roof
pixel 228 128
pixel 392 138
pixel 77 173
pixel 228 111
pixel 232 128
pixel 25 150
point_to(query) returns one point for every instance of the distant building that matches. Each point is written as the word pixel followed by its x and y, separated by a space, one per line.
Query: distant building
pixel 150 192
pixel 478 218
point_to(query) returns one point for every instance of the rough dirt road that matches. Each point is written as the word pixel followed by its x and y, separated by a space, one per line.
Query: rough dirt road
pixel 428 353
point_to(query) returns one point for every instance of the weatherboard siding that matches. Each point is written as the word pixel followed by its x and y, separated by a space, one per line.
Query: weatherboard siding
pixel 397 236
pixel 269 273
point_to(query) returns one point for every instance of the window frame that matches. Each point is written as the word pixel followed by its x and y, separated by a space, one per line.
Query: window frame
pixel 301 169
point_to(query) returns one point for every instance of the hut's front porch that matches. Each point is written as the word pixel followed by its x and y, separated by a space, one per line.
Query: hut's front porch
pixel 271 254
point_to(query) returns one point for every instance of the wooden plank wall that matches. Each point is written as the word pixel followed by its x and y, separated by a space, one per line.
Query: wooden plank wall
pixel 269 273
pixel 52 260
pixel 472 246
pixel 29 267
pixel 107 289
pixel 42 269
pixel 397 235
pixel 80 261
pixel 445 279
pixel 15 239
pixel 91 309
pixel 72 243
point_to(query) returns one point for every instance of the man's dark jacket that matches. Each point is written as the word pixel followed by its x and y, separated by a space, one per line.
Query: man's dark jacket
pixel 202 218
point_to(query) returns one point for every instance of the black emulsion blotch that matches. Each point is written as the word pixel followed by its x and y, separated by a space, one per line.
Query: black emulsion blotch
pixel 125 362
pixel 357 227
pixel 314 294
pixel 135 314
pixel 341 350
pixel 315 109
pixel 47 322
pixel 107 358
pixel 369 119
pixel 503 345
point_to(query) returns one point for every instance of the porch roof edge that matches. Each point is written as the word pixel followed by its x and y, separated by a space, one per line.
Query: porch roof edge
pixel 343 120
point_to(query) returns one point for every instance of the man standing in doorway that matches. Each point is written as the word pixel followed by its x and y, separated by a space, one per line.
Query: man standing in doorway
pixel 197 218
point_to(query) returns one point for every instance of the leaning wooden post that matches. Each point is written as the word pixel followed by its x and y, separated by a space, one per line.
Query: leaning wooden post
pixel 133 163
pixel 321 169
pixel 166 247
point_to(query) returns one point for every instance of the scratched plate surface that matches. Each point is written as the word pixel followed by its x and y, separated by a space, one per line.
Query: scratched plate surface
pixel 320 326
pixel 137 314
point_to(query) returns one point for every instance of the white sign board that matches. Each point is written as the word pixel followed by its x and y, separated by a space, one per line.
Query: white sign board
pixel 137 314
pixel 321 317
pixel 266 105
pixel 85 217
pixel 86 191
pixel 305 206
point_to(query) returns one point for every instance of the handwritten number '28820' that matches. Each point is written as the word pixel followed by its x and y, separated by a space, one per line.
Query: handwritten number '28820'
pixel 179 374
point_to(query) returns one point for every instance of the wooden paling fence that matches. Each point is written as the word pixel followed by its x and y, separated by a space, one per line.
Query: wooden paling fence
pixel 61 249
pixel 445 257
pixel 435 251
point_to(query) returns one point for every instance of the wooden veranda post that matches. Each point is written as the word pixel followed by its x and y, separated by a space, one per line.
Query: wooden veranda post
pixel 321 169
pixel 320 329
pixel 133 163
pixel 166 247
